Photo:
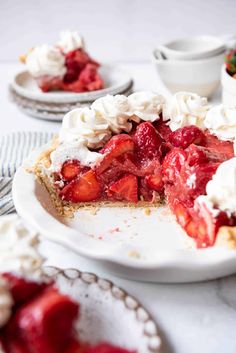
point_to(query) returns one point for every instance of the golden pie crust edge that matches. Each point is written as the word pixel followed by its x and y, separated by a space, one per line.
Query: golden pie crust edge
pixel 226 237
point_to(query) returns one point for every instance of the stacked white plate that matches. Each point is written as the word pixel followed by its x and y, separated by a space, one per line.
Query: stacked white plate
pixel 31 100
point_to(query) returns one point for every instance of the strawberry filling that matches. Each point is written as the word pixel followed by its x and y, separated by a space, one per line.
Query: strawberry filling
pixel 119 173
pixel 150 164
pixel 43 320
pixel 186 174
pixel 81 75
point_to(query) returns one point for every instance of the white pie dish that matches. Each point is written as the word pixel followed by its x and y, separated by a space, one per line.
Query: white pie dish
pixel 126 242
pixel 116 80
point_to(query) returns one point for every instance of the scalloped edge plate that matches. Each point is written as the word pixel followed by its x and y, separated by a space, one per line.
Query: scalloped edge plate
pixel 130 325
pixel 49 111
pixel 161 253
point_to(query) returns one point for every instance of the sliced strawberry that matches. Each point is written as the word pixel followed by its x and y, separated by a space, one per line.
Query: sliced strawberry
pixel 81 75
pixel 147 141
pixel 117 145
pixel 128 163
pixel 90 78
pixel 224 149
pixel 181 213
pixel 194 179
pixel 108 348
pixel 50 83
pixel 210 224
pixel 87 80
pixel 22 290
pixel 155 182
pixel 79 57
pixel 12 344
pixel 125 188
pixel 196 219
pixel 197 155
pixel 70 170
pixel 76 61
pixel 45 324
pixel 185 136
pixel 75 86
pixel 172 164
pixel 85 188
pixel 163 129
pixel 77 347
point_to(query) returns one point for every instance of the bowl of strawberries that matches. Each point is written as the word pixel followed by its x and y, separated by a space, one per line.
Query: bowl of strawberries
pixel 228 78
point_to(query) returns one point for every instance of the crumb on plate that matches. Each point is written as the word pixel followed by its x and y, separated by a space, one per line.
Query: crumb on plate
pixel 135 254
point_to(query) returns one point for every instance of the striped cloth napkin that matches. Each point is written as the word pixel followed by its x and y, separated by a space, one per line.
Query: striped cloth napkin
pixel 14 148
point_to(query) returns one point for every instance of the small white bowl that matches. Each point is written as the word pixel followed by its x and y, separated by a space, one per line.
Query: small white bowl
pixel 192 48
pixel 199 76
pixel 228 88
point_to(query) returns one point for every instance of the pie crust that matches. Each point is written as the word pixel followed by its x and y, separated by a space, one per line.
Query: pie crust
pixel 226 237
pixel 67 209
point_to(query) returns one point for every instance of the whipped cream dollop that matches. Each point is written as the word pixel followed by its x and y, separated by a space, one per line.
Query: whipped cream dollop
pixel 221 121
pixel 90 128
pixel 115 110
pixel 19 249
pixel 74 150
pixel 45 60
pixel 70 40
pixel 87 125
pixel 119 111
pixel 221 189
pixel 146 105
pixel 6 303
pixel 186 109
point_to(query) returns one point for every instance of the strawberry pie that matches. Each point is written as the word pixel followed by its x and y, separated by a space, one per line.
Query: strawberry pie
pixel 35 316
pixel 65 66
pixel 142 150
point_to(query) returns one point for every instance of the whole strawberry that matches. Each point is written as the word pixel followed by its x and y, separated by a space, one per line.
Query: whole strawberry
pixel 147 141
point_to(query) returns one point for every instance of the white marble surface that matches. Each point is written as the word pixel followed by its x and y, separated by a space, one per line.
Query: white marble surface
pixel 193 318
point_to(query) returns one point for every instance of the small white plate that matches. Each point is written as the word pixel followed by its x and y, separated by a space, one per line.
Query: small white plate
pixel 49 111
pixel 116 80
pixel 126 242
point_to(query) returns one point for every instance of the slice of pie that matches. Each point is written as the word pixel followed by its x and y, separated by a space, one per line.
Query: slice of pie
pixel 65 66
pixel 40 319
pixel 36 315
pixel 141 150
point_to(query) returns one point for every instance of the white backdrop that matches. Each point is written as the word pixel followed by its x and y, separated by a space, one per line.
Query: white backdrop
pixel 115 30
